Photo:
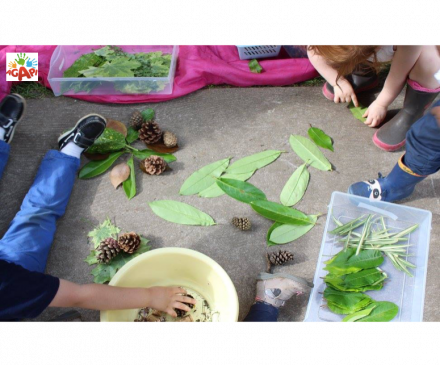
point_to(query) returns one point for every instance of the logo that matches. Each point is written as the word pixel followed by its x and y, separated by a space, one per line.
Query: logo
pixel 21 66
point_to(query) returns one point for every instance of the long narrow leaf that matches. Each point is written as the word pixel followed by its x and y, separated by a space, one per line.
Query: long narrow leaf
pixel 181 213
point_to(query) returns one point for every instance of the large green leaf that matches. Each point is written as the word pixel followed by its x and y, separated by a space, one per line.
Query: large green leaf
pixel 95 168
pixel 255 67
pixel 130 184
pixel 296 186
pixel 177 212
pixel 287 232
pixel 105 230
pixel 203 178
pixel 346 302
pixel 382 312
pixel 347 262
pixel 118 67
pixel 309 152
pixel 320 138
pixel 240 190
pixel 253 162
pixel 280 213
pixel 82 63
pixel 214 191
pixel 143 154
pixel 269 233
pixel 358 111
pixel 109 141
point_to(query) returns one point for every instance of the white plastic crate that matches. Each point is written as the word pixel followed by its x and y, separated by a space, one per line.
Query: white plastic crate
pixel 405 291
pixel 251 52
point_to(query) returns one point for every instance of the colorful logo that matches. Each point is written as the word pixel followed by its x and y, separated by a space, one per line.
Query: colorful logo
pixel 21 66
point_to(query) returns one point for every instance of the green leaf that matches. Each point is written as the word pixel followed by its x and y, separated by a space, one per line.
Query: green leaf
pixel 296 186
pixel 132 135
pixel 285 233
pixel 181 213
pixel 347 262
pixel 148 114
pixel 109 141
pixel 346 302
pixel 381 312
pixel 320 138
pixel 130 184
pixel 105 51
pixel 369 279
pixel 269 233
pixel 103 273
pixel 91 259
pixel 359 315
pixel 358 111
pixel 105 230
pixel 143 154
pixel 240 190
pixel 118 67
pixel 280 213
pixel 214 191
pixel 253 162
pixel 309 152
pixel 203 178
pixel 255 67
pixel 95 168
pixel 82 63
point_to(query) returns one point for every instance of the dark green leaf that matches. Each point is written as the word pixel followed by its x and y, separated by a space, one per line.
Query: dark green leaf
pixel 143 154
pixel 109 141
pixel 214 191
pixel 148 114
pixel 82 63
pixel 255 67
pixel 132 135
pixel 320 138
pixel 181 213
pixel 95 168
pixel 346 302
pixel 240 190
pixel 382 312
pixel 280 213
pixel 269 233
pixel 130 184
pixel 369 279
pixel 358 112
pixel 105 230
pixel 346 261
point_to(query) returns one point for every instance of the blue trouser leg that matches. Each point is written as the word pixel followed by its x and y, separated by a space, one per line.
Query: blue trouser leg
pixel 4 155
pixel 262 312
pixel 423 145
pixel 29 237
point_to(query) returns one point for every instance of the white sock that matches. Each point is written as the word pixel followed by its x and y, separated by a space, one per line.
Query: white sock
pixel 2 134
pixel 72 149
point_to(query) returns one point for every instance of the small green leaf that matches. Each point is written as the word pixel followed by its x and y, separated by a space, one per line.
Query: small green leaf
pixel 295 187
pixel 109 141
pixel 148 114
pixel 240 190
pixel 214 191
pixel 253 162
pixel 269 233
pixel 359 315
pixel 132 135
pixel 255 67
pixel 320 138
pixel 203 178
pixel 285 233
pixel 143 154
pixel 280 213
pixel 105 230
pixel 358 111
pixel 381 312
pixel 95 168
pixel 91 259
pixel 181 213
pixel 309 152
pixel 130 184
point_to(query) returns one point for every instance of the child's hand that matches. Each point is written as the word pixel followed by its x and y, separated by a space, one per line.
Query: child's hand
pixel 375 114
pixel 165 299
pixel 344 93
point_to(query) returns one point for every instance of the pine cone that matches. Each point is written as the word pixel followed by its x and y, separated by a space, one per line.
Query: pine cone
pixel 107 250
pixel 169 139
pixel 181 312
pixel 242 223
pixel 136 120
pixel 280 257
pixel 153 165
pixel 150 133
pixel 129 242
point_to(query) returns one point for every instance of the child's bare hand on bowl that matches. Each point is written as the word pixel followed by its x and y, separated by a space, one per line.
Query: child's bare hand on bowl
pixel 165 299
pixel 375 114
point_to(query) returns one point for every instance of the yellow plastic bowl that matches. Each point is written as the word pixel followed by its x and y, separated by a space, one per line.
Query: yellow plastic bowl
pixel 179 267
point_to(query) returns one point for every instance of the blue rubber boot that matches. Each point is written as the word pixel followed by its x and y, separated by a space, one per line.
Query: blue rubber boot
pixel 398 185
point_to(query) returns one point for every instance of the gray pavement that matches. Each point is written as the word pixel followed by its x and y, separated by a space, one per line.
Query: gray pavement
pixel 212 124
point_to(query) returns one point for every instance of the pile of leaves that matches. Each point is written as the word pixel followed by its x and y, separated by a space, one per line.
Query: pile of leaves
pixel 103 273
pixel 114 143
pixel 112 61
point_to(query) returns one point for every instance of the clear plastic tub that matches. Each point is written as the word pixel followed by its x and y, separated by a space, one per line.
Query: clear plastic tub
pixel 405 291
pixel 64 56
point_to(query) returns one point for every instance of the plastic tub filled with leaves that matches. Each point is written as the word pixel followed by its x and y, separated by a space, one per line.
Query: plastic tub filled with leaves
pixel 373 262
pixel 113 70
pixel 200 275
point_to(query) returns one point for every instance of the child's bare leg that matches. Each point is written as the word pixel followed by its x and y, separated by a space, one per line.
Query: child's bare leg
pixel 426 67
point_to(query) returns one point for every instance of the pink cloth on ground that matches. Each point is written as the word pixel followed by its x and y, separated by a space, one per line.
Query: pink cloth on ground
pixel 197 67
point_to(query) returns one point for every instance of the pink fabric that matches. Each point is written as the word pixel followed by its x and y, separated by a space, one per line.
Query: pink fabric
pixel 416 86
pixel 197 67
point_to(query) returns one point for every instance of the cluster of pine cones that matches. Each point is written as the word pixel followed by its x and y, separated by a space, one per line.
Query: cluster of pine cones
pixel 109 248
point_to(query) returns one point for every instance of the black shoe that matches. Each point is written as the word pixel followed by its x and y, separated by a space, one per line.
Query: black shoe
pixel 86 131
pixel 12 109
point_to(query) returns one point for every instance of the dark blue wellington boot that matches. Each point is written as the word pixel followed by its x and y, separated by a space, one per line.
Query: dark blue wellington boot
pixel 398 185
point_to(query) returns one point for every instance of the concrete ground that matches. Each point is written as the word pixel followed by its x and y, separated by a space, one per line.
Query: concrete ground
pixel 212 124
